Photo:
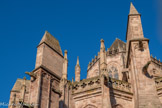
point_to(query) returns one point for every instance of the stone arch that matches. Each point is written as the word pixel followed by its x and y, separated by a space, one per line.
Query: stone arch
pixel 90 106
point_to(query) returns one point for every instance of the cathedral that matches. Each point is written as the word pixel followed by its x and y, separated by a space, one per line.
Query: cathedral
pixel 123 76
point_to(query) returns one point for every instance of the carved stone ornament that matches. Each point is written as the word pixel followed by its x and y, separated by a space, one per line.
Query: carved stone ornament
pixel 31 74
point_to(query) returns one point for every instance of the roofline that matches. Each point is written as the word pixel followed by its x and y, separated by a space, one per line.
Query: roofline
pixel 115 40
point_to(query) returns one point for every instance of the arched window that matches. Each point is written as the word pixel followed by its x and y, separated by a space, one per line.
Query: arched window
pixel 113 72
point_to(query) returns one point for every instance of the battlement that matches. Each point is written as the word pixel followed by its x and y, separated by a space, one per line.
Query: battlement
pixel 86 85
pixel 96 58
pixel 120 85
pixel 108 53
pixel 95 82
pixel 158 62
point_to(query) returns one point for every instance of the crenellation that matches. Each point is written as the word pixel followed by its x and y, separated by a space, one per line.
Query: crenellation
pixel 92 63
pixel 158 62
pixel 120 85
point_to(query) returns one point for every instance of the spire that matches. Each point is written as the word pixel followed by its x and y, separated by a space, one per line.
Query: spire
pixel 134 26
pixel 133 10
pixel 103 64
pixel 65 65
pixel 77 71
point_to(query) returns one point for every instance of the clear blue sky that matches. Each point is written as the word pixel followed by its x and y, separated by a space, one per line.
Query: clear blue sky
pixel 77 24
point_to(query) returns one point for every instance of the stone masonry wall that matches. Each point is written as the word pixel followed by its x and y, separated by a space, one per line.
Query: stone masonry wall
pixel 50 59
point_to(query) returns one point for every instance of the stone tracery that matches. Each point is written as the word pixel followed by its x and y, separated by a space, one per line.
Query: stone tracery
pixel 113 72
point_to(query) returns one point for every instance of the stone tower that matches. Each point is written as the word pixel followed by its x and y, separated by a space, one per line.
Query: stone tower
pixel 48 72
pixel 138 56
pixel 42 90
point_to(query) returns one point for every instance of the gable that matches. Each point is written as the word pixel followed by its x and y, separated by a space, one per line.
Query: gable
pixel 118 44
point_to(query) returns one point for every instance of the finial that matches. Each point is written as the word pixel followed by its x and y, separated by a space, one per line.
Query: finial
pixel 65 54
pixel 65 51
pixel 155 57
pixel 151 55
pixel 24 78
pixel 77 70
pixel 159 60
pixel 77 60
pixel 72 79
pixel 101 40
pixel 102 48
pixel 88 65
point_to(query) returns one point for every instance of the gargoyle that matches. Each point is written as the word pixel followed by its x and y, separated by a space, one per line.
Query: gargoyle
pixel 31 74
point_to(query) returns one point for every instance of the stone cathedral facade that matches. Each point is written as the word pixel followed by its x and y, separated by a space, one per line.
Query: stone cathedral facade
pixel 123 76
